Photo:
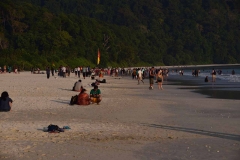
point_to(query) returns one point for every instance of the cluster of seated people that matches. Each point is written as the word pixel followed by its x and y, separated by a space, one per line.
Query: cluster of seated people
pixel 83 97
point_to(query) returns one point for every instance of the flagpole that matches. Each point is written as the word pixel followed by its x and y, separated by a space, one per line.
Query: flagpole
pixel 98 57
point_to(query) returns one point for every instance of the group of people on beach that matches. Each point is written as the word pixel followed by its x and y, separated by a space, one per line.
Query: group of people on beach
pixel 64 71
pixel 85 99
pixel 213 73
pixel 151 73
pixel 158 74
pixel 9 69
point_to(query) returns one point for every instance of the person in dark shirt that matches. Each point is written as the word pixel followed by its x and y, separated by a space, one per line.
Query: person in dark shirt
pixel 151 77
pixel 48 72
pixel 206 79
pixel 5 102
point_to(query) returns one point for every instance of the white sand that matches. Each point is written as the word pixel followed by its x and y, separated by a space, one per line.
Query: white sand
pixel 131 122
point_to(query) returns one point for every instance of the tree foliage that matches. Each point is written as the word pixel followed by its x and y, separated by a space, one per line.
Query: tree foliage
pixel 128 33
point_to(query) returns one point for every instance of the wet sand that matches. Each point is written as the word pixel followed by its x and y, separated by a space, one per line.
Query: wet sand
pixel 221 89
pixel 132 122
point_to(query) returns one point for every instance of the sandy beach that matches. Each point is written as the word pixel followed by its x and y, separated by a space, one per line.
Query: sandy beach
pixel 132 122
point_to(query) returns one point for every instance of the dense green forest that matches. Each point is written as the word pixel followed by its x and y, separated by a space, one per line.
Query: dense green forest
pixel 37 33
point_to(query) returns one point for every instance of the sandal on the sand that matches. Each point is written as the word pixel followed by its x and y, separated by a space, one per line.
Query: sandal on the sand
pixel 45 129
pixel 66 127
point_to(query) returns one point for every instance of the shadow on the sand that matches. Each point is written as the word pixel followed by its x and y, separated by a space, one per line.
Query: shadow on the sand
pixel 66 89
pixel 61 101
pixel 197 131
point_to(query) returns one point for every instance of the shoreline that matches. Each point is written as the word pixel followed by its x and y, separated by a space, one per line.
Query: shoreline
pixel 221 89
pixel 207 66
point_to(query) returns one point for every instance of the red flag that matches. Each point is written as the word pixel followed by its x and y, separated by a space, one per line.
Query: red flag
pixel 98 57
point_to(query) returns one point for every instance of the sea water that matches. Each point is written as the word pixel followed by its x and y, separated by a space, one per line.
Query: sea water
pixel 226 74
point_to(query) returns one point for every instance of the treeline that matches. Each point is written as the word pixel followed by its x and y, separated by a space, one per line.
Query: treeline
pixel 37 33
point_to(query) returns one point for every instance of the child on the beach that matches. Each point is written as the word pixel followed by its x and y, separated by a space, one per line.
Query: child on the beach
pixel 5 102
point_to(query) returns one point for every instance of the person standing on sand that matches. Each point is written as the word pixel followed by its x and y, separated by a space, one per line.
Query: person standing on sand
pixel 160 79
pixel 48 72
pixel 134 73
pixel 84 70
pixel 151 77
pixel 140 76
pixel 4 69
pixel 156 73
pixel 213 75
pixel 75 71
pixel 52 70
pixel 78 72
pixel 64 69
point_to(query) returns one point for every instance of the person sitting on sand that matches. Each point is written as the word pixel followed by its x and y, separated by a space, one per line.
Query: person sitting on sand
pixel 78 86
pixel 95 95
pixel 5 102
pixel 96 83
pixel 93 75
pixel 83 98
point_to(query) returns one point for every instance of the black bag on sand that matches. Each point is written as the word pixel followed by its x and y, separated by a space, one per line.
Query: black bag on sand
pixel 54 129
pixel 74 100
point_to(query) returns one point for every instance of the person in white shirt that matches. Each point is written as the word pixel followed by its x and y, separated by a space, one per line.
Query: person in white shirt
pixel 78 71
pixel 140 76
pixel 64 71
pixel 78 86
pixel 75 71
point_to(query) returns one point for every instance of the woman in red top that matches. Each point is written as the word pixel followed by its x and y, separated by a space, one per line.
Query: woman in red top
pixel 83 98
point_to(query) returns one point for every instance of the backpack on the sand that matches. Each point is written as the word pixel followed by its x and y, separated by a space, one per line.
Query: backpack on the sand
pixel 74 100
pixel 54 128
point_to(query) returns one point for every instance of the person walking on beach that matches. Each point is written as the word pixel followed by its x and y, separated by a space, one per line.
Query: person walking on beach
pixel 140 76
pixel 78 71
pixel 48 72
pixel 151 77
pixel 5 102
pixel 160 79
pixel 75 71
pixel 64 69
pixel 52 70
pixel 134 73
pixel 84 70
pixel 213 75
